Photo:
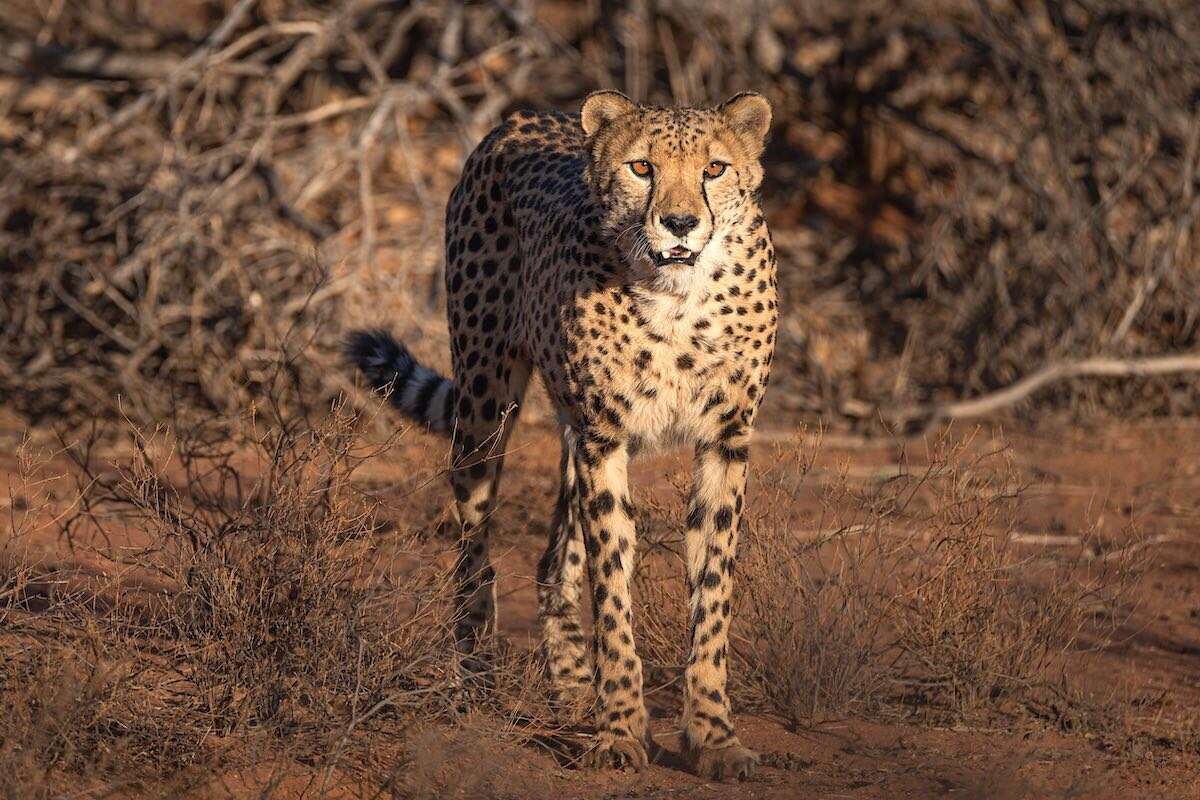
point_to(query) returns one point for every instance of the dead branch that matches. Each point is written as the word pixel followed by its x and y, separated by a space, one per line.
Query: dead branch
pixel 20 58
pixel 188 66
pixel 1022 389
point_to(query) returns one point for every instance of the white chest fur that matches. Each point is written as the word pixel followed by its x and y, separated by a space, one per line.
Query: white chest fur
pixel 683 369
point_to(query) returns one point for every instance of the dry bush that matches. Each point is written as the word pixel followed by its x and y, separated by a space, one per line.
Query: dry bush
pixel 812 635
pixel 276 608
pixel 807 638
pixel 267 614
pixel 808 641
pixel 984 186
pixel 972 623
pixel 269 624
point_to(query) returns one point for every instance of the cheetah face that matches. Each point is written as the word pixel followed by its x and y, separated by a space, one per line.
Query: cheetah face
pixel 671 180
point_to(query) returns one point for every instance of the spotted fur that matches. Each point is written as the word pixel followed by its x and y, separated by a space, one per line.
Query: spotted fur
pixel 623 254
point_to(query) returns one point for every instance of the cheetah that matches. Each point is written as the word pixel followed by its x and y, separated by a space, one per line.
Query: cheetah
pixel 623 253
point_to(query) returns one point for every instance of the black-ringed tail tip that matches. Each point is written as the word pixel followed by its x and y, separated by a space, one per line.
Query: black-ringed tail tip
pixel 389 368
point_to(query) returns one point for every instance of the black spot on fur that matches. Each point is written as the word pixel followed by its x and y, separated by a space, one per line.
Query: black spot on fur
pixel 723 519
pixel 602 503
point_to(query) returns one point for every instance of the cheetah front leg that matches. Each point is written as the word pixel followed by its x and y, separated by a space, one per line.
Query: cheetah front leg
pixel 710 545
pixel 609 538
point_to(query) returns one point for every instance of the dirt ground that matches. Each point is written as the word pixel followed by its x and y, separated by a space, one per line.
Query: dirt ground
pixel 1117 484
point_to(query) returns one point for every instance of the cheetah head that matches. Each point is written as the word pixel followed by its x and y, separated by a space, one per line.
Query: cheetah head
pixel 671 180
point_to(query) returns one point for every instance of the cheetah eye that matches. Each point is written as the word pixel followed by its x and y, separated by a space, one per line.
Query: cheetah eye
pixel 641 168
pixel 715 169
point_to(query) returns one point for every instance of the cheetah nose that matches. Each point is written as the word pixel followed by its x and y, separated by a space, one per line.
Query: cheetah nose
pixel 680 224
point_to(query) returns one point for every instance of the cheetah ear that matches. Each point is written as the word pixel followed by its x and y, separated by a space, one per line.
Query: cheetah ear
pixel 749 115
pixel 601 108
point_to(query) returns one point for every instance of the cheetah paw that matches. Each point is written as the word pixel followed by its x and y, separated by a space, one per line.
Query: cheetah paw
pixel 610 750
pixel 732 762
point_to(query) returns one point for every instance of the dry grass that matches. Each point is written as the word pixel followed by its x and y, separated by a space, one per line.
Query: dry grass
pixel 908 597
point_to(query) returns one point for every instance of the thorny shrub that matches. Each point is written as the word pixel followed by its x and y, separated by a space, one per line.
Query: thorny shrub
pixel 276 613
pixel 258 606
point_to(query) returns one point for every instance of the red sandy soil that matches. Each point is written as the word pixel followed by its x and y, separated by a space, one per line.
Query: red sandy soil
pixel 1105 481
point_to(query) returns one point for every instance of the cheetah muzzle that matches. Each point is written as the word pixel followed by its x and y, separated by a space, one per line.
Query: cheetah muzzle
pixel 622 254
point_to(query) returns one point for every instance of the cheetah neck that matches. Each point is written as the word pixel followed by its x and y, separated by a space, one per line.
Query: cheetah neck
pixel 670 314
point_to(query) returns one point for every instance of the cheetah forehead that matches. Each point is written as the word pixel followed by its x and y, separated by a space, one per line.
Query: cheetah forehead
pixel 672 137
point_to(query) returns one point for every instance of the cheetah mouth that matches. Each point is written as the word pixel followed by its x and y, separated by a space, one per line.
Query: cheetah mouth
pixel 676 255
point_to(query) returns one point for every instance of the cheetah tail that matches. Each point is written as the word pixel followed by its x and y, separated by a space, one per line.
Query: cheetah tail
pixel 417 391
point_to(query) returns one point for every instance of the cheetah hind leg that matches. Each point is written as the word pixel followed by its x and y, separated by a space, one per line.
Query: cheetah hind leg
pixel 480 439
pixel 560 578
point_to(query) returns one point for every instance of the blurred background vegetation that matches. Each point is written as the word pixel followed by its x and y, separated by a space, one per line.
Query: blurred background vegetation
pixel 198 196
